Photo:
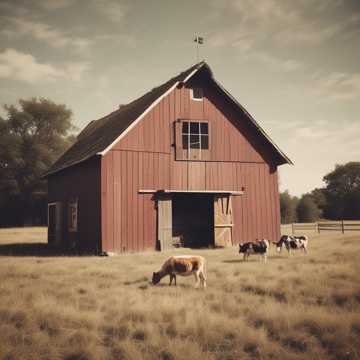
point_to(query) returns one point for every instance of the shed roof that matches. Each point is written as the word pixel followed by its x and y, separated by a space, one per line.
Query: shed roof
pixel 99 135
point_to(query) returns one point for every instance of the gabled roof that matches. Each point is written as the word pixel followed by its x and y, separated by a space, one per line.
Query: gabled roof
pixel 100 135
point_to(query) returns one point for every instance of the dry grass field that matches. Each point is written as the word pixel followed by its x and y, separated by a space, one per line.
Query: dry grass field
pixel 63 307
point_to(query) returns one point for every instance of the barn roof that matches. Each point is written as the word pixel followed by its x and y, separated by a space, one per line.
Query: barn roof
pixel 100 135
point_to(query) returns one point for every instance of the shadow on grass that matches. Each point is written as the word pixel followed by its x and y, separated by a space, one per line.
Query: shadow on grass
pixel 276 257
pixel 36 249
pixel 236 261
pixel 254 259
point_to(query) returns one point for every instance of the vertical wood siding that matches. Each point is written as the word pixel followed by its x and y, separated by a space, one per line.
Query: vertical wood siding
pixel 145 159
pixel 81 181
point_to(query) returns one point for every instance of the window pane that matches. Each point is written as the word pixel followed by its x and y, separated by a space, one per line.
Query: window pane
pixel 194 127
pixel 204 128
pixel 204 142
pixel 185 127
pixel 185 141
pixel 194 142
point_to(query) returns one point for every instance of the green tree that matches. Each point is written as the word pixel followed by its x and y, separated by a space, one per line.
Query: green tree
pixel 307 210
pixel 288 205
pixel 319 197
pixel 32 136
pixel 342 192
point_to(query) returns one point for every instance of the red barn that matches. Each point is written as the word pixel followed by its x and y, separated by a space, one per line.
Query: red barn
pixel 183 165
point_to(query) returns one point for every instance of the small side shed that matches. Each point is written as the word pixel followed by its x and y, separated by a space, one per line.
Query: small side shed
pixel 183 165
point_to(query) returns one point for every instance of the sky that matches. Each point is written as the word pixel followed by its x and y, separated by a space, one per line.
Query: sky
pixel 294 65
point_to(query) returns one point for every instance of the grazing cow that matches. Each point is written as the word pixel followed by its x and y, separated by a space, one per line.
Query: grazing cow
pixel 183 265
pixel 260 247
pixel 292 243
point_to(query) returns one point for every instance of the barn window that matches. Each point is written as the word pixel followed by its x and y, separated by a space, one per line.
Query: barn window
pixel 192 140
pixel 195 135
pixel 73 215
pixel 197 93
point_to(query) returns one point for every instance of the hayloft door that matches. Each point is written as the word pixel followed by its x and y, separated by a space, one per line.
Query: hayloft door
pixel 164 205
pixel 223 220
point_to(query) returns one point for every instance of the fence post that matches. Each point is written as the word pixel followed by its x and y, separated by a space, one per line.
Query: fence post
pixel 342 226
pixel 292 228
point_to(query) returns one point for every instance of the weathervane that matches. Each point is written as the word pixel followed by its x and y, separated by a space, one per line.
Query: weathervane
pixel 199 41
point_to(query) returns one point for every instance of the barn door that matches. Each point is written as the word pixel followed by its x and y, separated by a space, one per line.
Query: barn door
pixel 223 220
pixel 164 207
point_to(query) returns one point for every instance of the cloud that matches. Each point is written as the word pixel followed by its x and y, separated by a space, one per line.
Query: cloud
pixel 337 86
pixel 285 22
pixel 53 5
pixel 274 62
pixel 25 7
pixel 241 40
pixel 315 146
pixel 112 9
pixel 19 66
pixel 46 33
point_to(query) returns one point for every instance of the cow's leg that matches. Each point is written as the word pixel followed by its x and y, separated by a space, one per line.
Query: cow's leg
pixel 244 257
pixel 172 277
pixel 202 279
pixel 197 279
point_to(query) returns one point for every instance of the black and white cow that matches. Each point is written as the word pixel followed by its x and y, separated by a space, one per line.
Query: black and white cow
pixel 292 242
pixel 260 247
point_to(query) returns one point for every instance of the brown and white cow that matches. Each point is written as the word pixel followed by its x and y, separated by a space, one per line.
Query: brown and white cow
pixel 292 242
pixel 183 265
pixel 260 247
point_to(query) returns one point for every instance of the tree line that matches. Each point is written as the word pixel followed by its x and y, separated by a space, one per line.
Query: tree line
pixel 338 199
pixel 32 136
pixel 35 132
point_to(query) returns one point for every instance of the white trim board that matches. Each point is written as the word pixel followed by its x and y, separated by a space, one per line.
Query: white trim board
pixel 169 191
pixel 134 123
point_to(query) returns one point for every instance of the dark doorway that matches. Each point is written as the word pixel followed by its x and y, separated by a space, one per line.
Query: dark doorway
pixel 52 223
pixel 193 219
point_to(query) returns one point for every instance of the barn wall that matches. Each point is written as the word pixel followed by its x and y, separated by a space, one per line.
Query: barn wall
pixel 81 181
pixel 231 137
pixel 129 218
pixel 145 159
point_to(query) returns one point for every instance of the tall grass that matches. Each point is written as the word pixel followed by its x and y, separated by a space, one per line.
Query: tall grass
pixel 104 308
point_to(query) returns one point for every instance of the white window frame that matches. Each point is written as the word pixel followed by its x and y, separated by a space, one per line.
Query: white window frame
pixel 192 94
pixel 71 226
pixel 188 134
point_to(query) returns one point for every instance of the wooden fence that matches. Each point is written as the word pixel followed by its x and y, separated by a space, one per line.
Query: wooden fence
pixel 338 226
pixel 341 226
